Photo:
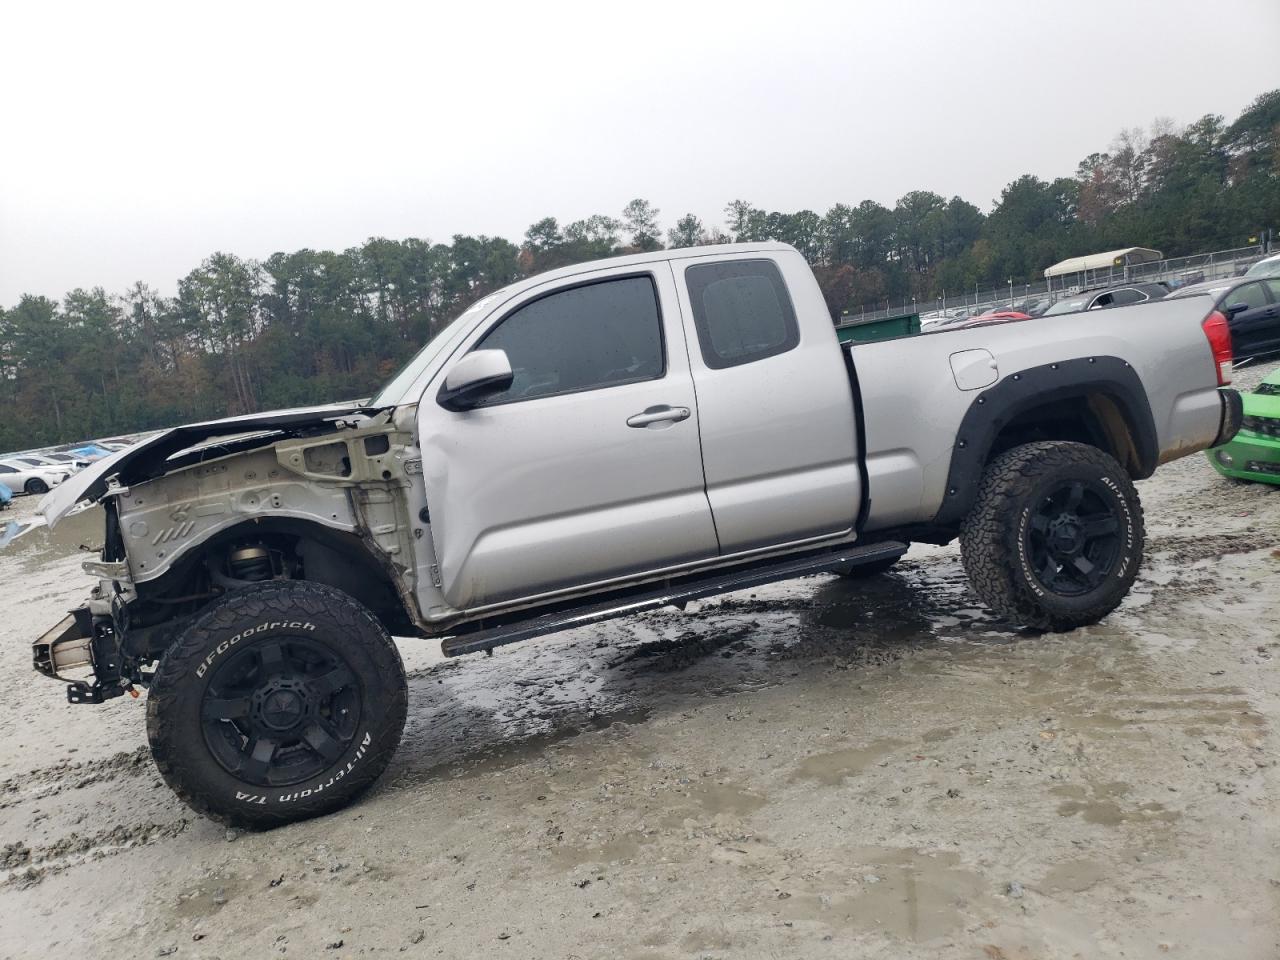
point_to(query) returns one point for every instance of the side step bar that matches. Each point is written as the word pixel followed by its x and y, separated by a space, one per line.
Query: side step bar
pixel 676 591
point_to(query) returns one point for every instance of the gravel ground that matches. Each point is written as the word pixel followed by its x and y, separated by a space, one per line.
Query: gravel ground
pixel 814 769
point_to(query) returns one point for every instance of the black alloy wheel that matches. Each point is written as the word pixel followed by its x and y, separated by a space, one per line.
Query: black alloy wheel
pixel 281 711
pixel 1073 538
pixel 1055 536
pixel 277 702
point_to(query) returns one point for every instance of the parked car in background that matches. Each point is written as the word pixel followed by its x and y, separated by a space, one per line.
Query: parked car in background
pixel 31 478
pixel 1267 267
pixel 1035 307
pixel 70 465
pixel 1252 309
pixel 1254 454
pixel 1109 297
pixel 68 459
pixel 96 451
pixel 994 316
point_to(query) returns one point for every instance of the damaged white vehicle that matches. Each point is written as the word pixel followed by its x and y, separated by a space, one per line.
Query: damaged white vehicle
pixel 594 441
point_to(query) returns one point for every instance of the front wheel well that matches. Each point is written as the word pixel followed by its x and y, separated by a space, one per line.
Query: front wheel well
pixel 253 552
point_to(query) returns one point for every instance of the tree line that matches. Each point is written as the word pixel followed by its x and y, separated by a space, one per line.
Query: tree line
pixel 310 326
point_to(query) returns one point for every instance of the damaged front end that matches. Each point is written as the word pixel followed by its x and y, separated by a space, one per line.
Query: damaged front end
pixel 201 510
pixel 82 650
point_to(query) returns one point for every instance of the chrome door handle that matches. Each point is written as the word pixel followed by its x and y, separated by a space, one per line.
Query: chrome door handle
pixel 659 414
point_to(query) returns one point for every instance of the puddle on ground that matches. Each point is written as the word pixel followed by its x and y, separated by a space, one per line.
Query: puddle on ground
pixel 901 892
pixel 1102 804
pixel 1074 876
pixel 833 767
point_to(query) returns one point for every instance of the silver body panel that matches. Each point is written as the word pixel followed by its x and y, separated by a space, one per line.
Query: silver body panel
pixel 914 405
pixel 537 495
pixel 779 439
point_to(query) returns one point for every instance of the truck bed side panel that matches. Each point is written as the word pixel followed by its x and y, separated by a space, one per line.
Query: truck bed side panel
pixel 914 406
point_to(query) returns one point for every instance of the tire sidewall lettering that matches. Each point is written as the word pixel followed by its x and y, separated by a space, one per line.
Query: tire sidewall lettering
pixel 1126 555
pixel 265 627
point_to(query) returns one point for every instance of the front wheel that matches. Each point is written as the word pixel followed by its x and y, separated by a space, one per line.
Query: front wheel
pixel 280 702
pixel 1055 536
pixel 35 486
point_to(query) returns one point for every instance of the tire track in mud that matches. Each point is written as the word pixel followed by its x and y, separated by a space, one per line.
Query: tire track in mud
pixel 22 866
pixel 70 774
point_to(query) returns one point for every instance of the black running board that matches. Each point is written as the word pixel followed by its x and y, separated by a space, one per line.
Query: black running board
pixel 676 591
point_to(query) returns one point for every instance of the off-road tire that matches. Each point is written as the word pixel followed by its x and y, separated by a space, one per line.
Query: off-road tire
pixel 254 618
pixel 861 571
pixel 994 536
pixel 35 486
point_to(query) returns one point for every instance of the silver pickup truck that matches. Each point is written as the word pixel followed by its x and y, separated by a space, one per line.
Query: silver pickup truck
pixel 591 442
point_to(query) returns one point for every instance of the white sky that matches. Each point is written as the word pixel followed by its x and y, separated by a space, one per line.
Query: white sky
pixel 140 138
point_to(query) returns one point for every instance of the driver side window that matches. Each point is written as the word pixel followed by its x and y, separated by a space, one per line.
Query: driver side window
pixel 1250 293
pixel 597 335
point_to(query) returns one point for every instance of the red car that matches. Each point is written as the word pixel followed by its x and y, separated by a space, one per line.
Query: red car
pixel 995 316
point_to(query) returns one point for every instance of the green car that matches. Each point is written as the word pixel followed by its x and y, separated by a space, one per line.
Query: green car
pixel 1254 454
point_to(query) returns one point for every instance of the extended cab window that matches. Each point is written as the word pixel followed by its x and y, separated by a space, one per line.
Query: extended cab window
pixel 742 311
pixel 598 335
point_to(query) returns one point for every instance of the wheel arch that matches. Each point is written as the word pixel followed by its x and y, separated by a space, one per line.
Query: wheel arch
pixel 327 556
pixel 1099 401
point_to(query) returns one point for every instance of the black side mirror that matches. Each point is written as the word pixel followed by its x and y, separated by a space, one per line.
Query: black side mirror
pixel 1235 308
pixel 480 374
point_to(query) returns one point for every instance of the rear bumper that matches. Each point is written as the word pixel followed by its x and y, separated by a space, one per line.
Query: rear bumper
pixel 1232 415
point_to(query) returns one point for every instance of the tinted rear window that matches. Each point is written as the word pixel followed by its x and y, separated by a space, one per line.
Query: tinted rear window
pixel 742 311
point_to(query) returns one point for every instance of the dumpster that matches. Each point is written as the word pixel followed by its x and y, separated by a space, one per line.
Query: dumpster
pixel 904 325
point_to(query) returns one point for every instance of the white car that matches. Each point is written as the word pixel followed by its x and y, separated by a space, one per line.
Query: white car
pixel 66 461
pixel 21 476
pixel 1269 267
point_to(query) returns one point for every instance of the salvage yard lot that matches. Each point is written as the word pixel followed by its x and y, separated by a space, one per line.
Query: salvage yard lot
pixel 820 768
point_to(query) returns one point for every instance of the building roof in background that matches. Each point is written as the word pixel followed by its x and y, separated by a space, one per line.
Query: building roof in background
pixel 1100 261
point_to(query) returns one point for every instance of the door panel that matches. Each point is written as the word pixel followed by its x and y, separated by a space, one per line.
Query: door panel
pixel 779 439
pixel 1254 330
pixel 548 487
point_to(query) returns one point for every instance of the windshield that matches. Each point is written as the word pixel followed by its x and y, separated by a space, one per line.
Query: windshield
pixel 393 393
pixel 1269 267
pixel 1066 306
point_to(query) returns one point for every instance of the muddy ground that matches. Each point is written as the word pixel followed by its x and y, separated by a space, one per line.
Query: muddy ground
pixel 815 769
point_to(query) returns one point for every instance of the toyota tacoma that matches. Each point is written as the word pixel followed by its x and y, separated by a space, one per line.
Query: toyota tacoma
pixel 591 442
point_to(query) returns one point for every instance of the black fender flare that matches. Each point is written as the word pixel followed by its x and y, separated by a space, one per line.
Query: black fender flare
pixel 997 406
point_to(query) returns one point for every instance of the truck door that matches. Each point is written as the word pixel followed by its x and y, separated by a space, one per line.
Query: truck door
pixel 587 467
pixel 775 407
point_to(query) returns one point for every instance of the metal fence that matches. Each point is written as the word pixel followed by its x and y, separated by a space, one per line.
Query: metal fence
pixel 1178 271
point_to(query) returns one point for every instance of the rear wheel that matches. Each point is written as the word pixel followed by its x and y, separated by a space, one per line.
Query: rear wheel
pixel 1055 536
pixel 280 702
pixel 35 486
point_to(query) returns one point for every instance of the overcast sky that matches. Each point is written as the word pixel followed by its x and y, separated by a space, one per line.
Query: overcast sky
pixel 138 139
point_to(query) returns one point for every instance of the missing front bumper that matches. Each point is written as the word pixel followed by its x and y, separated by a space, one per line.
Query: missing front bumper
pixel 74 644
